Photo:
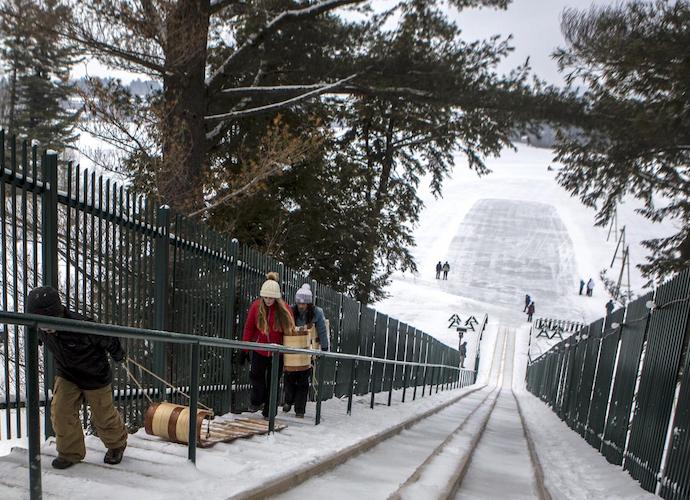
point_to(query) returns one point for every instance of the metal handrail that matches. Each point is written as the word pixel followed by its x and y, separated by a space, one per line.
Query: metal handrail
pixel 34 322
pixel 108 330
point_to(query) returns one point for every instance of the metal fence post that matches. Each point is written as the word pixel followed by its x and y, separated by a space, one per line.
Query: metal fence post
pixel 351 386
pixel 373 394
pixel 404 383
pixel 193 402
pixel 390 390
pixel 319 390
pixel 33 411
pixel 161 280
pixel 229 354
pixel 273 392
pixel 49 256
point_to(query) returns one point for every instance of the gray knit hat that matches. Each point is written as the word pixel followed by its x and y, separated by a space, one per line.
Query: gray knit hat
pixel 303 295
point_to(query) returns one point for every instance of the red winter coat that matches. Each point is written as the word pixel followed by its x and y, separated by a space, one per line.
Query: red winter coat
pixel 251 329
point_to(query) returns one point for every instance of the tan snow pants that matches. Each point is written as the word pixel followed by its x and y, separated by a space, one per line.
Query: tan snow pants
pixel 67 401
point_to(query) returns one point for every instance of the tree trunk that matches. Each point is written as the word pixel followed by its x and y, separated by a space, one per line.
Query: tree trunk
pixel 181 175
pixel 372 241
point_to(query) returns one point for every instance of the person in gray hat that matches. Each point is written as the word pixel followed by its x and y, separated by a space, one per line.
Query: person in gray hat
pixel 296 383
pixel 82 374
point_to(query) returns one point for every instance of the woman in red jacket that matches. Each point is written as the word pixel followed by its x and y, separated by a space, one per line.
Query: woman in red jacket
pixel 268 318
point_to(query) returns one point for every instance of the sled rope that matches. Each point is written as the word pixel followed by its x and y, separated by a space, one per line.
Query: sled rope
pixel 143 391
pixel 143 368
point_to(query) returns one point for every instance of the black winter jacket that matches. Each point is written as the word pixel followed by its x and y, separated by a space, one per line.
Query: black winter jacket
pixel 81 358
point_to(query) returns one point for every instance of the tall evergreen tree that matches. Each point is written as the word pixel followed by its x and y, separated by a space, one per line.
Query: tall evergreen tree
pixel 633 60
pixel 38 62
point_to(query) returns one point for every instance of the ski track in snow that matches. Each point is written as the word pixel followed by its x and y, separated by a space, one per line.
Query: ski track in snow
pixel 501 466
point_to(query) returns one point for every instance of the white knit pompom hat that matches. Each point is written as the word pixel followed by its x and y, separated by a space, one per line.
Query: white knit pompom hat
pixel 271 289
pixel 304 295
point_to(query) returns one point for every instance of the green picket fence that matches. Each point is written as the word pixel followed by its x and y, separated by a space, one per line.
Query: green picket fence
pixel 623 384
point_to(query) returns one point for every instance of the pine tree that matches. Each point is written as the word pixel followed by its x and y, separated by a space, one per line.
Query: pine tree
pixel 38 62
pixel 633 60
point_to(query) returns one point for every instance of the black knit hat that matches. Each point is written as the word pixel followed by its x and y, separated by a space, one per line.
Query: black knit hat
pixel 44 300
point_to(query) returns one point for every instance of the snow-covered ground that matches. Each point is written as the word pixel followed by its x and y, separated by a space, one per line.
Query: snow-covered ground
pixel 511 233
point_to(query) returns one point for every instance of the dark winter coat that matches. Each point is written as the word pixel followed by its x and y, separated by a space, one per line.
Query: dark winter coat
pixel 528 299
pixel 81 358
pixel 316 318
pixel 439 267
pixel 530 309
pixel 446 267
pixel 609 307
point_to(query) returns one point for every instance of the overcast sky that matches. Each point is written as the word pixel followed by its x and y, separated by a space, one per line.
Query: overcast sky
pixel 535 25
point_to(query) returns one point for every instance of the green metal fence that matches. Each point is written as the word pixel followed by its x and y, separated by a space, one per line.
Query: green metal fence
pixel 623 384
pixel 120 259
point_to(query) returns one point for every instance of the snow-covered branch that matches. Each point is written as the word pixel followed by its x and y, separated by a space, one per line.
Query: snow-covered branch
pixel 215 81
pixel 270 90
pixel 281 104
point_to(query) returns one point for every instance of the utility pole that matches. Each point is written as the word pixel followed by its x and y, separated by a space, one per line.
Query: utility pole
pixel 613 227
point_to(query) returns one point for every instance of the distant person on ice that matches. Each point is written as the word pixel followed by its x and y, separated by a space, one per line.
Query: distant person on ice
pixel 296 383
pixel 590 287
pixel 582 285
pixel 438 270
pixel 463 354
pixel 446 268
pixel 609 307
pixel 268 318
pixel 82 374
pixel 530 311
pixel 528 299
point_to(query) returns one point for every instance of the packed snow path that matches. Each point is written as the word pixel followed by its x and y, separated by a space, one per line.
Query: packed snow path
pixel 523 246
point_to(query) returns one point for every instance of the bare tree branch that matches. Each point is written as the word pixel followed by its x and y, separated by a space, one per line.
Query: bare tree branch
pixel 133 57
pixel 270 90
pixel 282 104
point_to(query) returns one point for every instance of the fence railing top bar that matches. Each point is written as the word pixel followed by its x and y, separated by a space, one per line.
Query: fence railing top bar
pixel 120 218
pixel 88 327
pixel 22 179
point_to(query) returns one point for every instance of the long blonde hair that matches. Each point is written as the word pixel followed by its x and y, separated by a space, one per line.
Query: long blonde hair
pixel 283 320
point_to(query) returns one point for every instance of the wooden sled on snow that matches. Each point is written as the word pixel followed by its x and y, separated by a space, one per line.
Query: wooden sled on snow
pixel 170 421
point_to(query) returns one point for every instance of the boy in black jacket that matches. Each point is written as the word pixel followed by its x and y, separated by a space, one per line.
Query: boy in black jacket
pixel 82 373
